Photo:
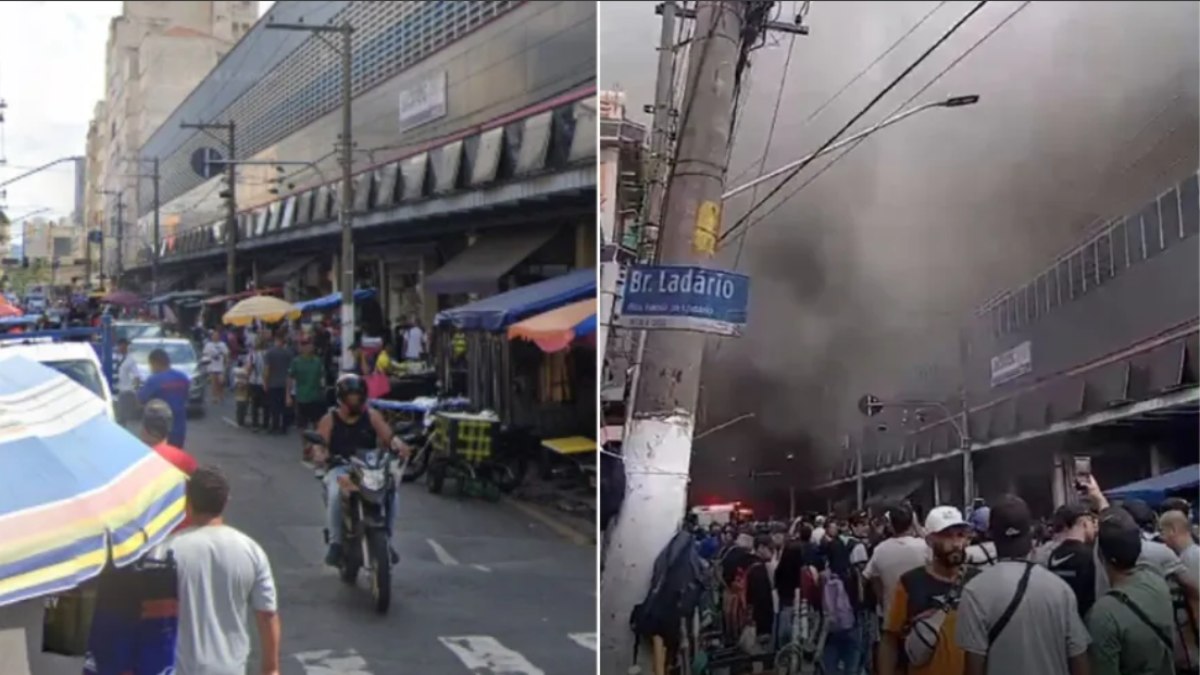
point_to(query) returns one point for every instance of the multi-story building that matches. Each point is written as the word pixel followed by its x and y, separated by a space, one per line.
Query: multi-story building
pixel 1095 355
pixel 93 190
pixel 156 54
pixel 474 165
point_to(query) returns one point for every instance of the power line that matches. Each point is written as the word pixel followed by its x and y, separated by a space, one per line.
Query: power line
pixel 833 139
pixel 851 82
pixel 898 108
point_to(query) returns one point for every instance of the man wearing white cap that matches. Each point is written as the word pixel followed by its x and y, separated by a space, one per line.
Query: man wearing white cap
pixel 918 629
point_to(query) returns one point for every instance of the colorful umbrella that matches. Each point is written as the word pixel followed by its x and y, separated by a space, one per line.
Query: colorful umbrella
pixel 261 307
pixel 74 486
pixel 7 310
pixel 555 330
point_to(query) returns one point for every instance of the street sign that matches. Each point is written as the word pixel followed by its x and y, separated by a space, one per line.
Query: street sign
pixel 870 405
pixel 96 237
pixel 202 162
pixel 677 297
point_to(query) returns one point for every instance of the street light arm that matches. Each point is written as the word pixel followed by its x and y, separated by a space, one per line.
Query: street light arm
pixel 953 102
pixel 40 169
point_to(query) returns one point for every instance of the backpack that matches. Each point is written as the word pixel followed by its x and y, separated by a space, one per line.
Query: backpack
pixel 676 587
pixel 839 613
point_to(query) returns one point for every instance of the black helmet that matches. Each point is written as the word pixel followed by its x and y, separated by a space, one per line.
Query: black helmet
pixel 350 384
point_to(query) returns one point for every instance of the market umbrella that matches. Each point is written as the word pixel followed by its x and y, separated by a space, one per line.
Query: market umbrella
pixel 262 307
pixel 74 485
pixel 7 310
pixel 556 329
pixel 123 298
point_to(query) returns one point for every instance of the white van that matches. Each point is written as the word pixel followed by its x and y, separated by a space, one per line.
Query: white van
pixel 76 360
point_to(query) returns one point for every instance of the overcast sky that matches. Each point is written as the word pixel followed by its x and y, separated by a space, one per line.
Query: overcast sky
pixel 51 76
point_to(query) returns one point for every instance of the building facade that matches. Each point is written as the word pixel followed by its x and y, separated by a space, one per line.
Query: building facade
pixel 474 131
pixel 155 55
pixel 1096 355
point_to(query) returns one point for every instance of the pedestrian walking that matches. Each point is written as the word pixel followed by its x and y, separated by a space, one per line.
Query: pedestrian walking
pixel 157 420
pixel 1017 616
pixel 172 387
pixel 222 575
pixel 256 364
pixel 216 352
pixel 306 375
pixel 127 384
pixel 275 377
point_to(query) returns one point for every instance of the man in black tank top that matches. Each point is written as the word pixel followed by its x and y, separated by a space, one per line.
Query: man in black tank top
pixel 347 428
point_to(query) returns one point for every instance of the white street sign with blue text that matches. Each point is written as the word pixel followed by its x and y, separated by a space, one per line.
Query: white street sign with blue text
pixel 676 297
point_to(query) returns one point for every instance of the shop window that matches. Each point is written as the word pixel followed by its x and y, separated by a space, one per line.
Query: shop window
pixel 1189 205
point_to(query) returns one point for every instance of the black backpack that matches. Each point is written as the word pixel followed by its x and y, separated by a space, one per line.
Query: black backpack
pixel 676 587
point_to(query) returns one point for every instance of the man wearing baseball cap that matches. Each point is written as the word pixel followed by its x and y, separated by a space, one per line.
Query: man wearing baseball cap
pixel 1073 560
pixel 918 631
pixel 1017 616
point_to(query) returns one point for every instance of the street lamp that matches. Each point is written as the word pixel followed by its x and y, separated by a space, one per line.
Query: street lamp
pixel 952 102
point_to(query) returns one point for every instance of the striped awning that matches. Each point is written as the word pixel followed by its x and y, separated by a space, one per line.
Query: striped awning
pixel 75 487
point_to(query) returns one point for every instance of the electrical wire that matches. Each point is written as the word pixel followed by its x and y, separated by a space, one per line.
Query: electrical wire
pixel 867 108
pixel 837 158
pixel 853 80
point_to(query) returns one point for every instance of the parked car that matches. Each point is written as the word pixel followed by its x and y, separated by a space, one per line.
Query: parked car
pixel 183 358
pixel 133 330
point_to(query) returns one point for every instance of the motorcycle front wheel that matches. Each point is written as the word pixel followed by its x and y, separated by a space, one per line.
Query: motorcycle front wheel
pixel 417 466
pixel 381 570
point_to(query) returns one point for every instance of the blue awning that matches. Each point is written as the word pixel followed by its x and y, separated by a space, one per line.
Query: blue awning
pixel 1156 489
pixel 500 311
pixel 333 300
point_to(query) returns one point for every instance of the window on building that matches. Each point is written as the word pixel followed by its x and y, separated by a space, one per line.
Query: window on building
pixel 1087 261
pixel 1066 285
pixel 1041 292
pixel 1120 246
pixel 1019 321
pixel 1010 314
pixel 1168 212
pixel 1031 304
pixel 996 315
pixel 1152 229
pixel 1135 244
pixel 1104 257
pixel 1053 289
pixel 1189 205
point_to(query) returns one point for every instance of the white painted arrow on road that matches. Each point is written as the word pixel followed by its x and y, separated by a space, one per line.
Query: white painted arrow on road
pixel 329 662
pixel 484 655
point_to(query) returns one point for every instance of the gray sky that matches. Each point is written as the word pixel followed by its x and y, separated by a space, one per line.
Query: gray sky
pixel 51 75
pixel 1087 109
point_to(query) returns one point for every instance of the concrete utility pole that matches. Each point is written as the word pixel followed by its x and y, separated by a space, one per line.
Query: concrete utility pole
pixel 346 152
pixel 230 195
pixel 120 195
pixel 658 444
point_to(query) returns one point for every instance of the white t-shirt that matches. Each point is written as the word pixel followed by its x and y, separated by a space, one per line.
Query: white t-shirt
pixel 891 559
pixel 414 343
pixel 216 353
pixel 222 575
pixel 981 554
pixel 818 536
pixel 126 374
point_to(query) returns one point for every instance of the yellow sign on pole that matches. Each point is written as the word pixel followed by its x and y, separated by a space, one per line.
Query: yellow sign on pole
pixel 708 226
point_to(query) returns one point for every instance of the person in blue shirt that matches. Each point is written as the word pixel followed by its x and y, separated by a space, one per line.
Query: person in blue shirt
pixel 170 386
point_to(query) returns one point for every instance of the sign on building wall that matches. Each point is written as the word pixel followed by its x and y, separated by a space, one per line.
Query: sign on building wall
pixel 423 101
pixel 675 297
pixel 1012 364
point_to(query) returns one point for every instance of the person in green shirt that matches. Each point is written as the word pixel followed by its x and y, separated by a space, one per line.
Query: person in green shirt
pixel 306 386
pixel 1131 624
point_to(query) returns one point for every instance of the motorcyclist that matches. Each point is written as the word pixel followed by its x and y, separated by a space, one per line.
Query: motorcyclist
pixel 348 427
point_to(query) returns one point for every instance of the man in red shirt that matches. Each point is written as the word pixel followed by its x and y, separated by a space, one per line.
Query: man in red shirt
pixel 157 419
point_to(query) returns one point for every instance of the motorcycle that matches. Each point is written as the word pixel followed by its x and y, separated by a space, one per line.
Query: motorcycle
pixel 366 491
pixel 419 433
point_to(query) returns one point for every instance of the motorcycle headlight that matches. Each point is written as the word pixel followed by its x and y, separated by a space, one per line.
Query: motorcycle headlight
pixel 373 479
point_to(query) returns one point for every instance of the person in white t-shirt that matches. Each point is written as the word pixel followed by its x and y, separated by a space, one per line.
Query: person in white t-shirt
pixel 217 354
pixel 818 533
pixel 895 556
pixel 414 343
pixel 127 383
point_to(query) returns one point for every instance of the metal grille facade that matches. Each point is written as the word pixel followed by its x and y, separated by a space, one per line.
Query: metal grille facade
pixel 389 38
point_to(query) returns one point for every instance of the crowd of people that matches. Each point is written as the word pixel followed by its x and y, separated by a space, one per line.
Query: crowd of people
pixel 1106 589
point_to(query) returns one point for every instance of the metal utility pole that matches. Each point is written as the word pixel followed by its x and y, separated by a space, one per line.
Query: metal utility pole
pixel 120 230
pixel 230 200
pixel 658 444
pixel 346 152
pixel 660 130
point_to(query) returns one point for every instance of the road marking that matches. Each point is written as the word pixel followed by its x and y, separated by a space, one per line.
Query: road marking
pixel 324 662
pixel 553 523
pixel 586 640
pixel 230 422
pixel 482 568
pixel 442 554
pixel 484 655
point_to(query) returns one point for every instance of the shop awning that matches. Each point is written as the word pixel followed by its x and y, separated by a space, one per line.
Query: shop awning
pixel 503 310
pixel 894 492
pixel 241 296
pixel 1156 489
pixel 479 268
pixel 555 330
pixel 280 274
pixel 177 296
pixel 333 300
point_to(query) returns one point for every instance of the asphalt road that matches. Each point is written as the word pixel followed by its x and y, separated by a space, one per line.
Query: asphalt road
pixel 484 588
